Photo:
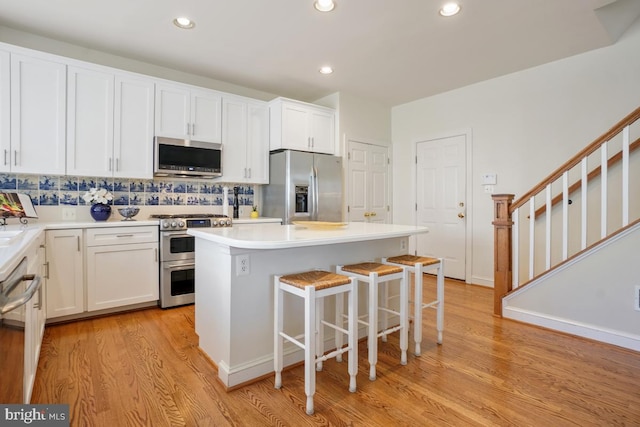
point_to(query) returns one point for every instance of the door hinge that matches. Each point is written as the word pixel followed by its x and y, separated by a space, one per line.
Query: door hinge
pixel 348 156
pixel 416 160
pixel 416 206
pixel 388 161
pixel 387 208
pixel 348 209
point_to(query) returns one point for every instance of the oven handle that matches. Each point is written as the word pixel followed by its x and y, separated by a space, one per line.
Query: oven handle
pixel 177 266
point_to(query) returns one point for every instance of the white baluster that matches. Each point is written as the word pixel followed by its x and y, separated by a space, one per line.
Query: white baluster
pixel 604 158
pixel 565 215
pixel 583 189
pixel 625 176
pixel 532 223
pixel 547 233
pixel 515 236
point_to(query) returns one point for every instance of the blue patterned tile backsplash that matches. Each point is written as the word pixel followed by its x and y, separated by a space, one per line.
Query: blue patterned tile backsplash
pixel 48 190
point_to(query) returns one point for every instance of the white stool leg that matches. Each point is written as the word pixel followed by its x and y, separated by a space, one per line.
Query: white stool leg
pixel 373 325
pixel 353 334
pixel 278 324
pixel 340 322
pixel 319 335
pixel 309 347
pixel 384 290
pixel 440 296
pixel 404 315
pixel 417 308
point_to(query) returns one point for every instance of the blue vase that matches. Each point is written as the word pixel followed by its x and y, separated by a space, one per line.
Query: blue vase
pixel 100 212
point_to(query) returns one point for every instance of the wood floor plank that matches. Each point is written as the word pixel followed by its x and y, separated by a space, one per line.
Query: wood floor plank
pixel 145 369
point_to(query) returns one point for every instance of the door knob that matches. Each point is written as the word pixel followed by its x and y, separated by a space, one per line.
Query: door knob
pixel 367 214
pixel 460 215
pixel 372 214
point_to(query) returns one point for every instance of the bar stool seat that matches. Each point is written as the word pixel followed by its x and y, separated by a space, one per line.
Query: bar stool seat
pixel 313 287
pixel 417 265
pixel 376 274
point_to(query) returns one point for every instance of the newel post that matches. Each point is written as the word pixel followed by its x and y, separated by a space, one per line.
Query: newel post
pixel 502 249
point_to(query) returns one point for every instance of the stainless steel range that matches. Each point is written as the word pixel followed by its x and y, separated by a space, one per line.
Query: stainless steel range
pixel 177 255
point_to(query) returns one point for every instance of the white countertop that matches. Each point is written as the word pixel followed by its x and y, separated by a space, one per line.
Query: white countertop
pixel 259 220
pixel 273 236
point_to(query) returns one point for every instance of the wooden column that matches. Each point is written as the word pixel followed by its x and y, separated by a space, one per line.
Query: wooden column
pixel 502 223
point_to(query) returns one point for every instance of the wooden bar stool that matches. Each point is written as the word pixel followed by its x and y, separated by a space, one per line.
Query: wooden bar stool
pixel 418 265
pixel 313 287
pixel 376 274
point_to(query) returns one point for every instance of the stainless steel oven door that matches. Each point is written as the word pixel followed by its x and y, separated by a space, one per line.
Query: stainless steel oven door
pixel 177 246
pixel 177 283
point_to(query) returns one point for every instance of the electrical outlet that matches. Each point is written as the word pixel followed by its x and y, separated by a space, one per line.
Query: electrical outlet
pixel 242 265
pixel 68 214
pixel 636 304
pixel 403 244
pixel 489 188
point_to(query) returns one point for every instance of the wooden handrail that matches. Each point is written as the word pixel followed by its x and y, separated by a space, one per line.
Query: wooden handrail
pixel 591 175
pixel 635 115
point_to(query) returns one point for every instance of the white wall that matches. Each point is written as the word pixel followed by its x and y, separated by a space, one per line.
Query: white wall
pixel 43 44
pixel 601 289
pixel 524 125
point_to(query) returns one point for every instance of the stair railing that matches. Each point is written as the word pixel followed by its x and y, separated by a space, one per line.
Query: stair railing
pixel 532 235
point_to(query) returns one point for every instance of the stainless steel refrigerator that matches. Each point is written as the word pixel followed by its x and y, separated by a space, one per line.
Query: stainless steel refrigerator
pixel 303 187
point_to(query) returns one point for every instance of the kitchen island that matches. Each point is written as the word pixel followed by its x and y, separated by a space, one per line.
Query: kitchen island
pixel 234 284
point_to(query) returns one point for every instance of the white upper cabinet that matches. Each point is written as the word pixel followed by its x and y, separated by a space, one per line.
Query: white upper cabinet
pixel 110 124
pixel 188 113
pixel 90 122
pixel 245 141
pixel 301 126
pixel 133 127
pixel 5 116
pixel 38 116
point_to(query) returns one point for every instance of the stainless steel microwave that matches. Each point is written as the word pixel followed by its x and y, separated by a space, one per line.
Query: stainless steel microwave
pixel 186 158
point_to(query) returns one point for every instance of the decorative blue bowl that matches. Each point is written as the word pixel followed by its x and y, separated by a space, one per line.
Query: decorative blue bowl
pixel 129 212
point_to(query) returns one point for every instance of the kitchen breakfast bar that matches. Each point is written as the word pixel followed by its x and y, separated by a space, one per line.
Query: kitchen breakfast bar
pixel 234 284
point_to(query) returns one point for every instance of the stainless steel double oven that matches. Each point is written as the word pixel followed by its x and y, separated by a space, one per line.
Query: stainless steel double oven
pixel 177 255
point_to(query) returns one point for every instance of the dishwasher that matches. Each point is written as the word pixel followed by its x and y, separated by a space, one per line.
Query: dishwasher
pixel 16 294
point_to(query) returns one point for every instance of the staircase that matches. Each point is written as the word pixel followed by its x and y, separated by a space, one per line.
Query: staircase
pixel 567 252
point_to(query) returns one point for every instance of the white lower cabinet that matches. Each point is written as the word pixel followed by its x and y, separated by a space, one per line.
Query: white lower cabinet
pixel 122 266
pixel 101 268
pixel 65 290
pixel 35 315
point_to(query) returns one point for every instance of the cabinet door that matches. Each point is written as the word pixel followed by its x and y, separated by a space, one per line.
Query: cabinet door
pixel 258 143
pixel 90 122
pixel 65 287
pixel 172 112
pixel 5 117
pixel 119 275
pixel 133 127
pixel 234 140
pixel 295 127
pixel 206 116
pixel 322 130
pixel 38 115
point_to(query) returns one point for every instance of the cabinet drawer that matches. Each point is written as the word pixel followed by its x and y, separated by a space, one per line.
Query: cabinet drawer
pixel 121 235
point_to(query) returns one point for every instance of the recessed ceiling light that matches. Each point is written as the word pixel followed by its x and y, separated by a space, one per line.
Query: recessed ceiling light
pixel 184 22
pixel 450 9
pixel 324 5
pixel 326 70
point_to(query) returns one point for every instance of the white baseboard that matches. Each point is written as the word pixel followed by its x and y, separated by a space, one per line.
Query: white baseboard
pixel 621 339
pixel 482 281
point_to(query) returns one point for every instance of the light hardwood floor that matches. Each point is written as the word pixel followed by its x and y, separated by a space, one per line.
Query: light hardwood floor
pixel 144 369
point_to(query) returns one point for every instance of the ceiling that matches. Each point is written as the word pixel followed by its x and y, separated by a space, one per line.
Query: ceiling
pixel 388 51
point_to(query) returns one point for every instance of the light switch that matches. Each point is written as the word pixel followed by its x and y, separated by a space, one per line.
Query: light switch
pixel 489 179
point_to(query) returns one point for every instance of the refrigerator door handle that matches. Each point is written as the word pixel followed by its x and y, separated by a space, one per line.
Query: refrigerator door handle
pixel 313 190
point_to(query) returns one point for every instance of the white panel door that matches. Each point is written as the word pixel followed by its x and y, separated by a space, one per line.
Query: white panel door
pixel 368 183
pixel 441 202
